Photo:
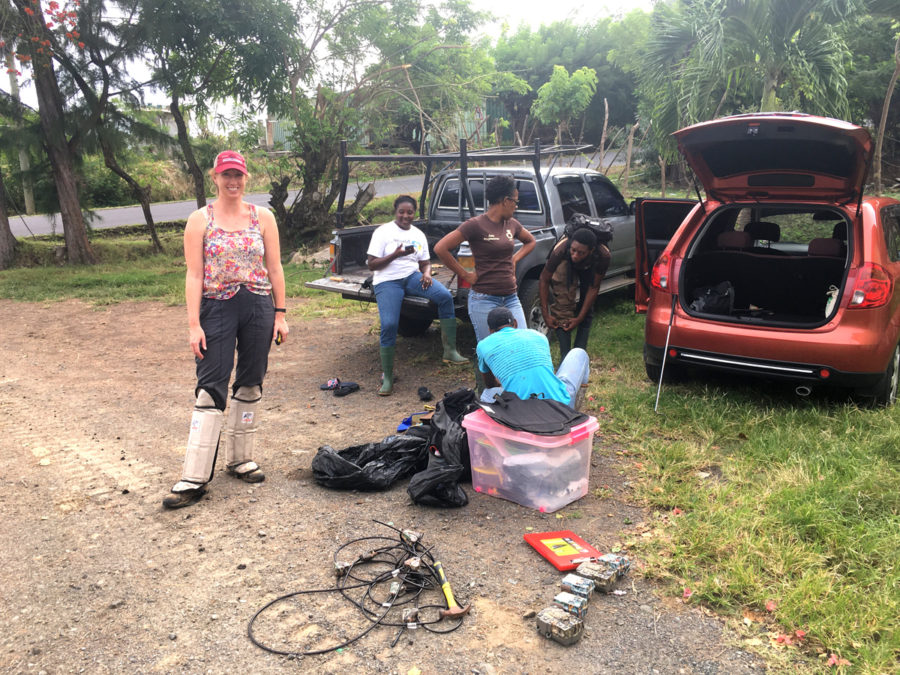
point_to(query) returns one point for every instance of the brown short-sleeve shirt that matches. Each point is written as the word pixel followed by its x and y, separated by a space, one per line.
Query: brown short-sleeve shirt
pixel 492 246
pixel 567 292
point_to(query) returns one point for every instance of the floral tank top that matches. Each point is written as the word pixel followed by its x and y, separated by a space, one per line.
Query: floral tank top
pixel 233 259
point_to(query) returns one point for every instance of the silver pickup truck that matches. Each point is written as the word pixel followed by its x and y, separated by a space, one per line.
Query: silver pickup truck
pixel 549 196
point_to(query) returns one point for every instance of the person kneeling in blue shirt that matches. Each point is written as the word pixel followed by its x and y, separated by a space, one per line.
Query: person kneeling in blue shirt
pixel 518 360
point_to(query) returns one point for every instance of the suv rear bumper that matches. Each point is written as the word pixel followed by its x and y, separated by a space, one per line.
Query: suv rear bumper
pixel 765 368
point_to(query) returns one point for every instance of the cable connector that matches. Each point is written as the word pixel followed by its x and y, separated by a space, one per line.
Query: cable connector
pixel 411 536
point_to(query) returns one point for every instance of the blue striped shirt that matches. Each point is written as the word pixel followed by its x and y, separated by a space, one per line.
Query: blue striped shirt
pixel 520 360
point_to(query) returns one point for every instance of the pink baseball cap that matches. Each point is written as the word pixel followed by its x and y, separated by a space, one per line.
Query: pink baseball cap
pixel 229 159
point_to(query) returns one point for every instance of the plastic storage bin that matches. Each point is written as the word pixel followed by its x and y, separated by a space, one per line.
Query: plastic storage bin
pixel 541 472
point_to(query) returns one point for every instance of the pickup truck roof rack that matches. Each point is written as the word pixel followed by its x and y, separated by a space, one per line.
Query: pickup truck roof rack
pixel 533 153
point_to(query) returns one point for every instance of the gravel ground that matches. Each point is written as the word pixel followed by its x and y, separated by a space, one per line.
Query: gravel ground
pixel 98 578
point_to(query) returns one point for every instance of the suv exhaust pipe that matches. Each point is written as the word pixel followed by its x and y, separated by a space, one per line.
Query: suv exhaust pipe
pixel 803 390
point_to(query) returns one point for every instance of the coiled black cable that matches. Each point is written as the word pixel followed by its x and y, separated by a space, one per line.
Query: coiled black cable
pixel 405 562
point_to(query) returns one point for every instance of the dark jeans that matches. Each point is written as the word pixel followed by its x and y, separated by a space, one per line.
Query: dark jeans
pixel 246 320
pixel 581 336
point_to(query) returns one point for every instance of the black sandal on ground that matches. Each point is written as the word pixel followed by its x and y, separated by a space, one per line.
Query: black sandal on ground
pixel 346 388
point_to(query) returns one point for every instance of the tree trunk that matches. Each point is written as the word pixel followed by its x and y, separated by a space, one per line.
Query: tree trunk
pixel 353 212
pixel 662 173
pixel 142 194
pixel 50 110
pixel 627 171
pixel 24 159
pixel 601 149
pixel 879 140
pixel 184 140
pixel 310 223
pixel 769 102
pixel 7 240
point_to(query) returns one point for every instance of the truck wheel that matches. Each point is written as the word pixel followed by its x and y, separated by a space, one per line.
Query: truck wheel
pixel 530 297
pixel 413 326
pixel 885 392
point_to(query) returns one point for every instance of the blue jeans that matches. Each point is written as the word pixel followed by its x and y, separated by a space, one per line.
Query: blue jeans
pixel 389 296
pixel 481 304
pixel 573 371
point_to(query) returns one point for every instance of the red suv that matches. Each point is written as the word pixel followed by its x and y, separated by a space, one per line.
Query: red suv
pixel 784 270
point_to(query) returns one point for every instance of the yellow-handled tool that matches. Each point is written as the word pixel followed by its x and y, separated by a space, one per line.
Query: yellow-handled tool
pixel 453 609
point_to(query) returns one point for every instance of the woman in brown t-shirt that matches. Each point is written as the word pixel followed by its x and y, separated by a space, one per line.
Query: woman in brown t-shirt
pixel 491 237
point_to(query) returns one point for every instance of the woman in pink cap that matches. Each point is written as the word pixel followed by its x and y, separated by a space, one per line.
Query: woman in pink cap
pixel 235 300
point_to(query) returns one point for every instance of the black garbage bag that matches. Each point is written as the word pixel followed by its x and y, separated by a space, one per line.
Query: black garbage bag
pixel 372 466
pixel 448 454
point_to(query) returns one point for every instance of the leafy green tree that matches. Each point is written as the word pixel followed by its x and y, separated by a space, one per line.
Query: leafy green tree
pixel 709 57
pixel 564 98
pixel 431 72
pixel 871 77
pixel 879 139
pixel 532 54
pixel 40 40
pixel 204 52
pixel 364 64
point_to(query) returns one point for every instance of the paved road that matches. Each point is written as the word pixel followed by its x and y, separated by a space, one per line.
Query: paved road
pixel 23 226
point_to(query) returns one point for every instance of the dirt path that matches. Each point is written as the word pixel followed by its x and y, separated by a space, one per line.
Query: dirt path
pixel 97 578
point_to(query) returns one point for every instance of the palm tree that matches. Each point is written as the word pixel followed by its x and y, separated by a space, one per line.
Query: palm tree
pixel 708 57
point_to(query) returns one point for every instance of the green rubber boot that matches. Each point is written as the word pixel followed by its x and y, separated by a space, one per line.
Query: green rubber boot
pixel 448 340
pixel 387 367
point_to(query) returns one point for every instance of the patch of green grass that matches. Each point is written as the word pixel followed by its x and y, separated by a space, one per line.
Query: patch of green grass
pixel 152 278
pixel 779 498
pixel 129 270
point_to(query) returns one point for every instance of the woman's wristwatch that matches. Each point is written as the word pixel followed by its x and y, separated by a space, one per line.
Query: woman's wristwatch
pixel 281 309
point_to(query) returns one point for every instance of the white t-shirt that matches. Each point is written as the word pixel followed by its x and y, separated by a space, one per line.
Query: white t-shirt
pixel 385 239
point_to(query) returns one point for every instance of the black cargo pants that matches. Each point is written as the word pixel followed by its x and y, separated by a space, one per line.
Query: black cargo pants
pixel 245 321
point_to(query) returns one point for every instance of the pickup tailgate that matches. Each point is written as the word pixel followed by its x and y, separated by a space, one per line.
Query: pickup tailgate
pixel 350 284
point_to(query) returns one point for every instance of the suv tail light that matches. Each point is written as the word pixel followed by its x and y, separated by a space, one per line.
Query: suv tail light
pixel 872 288
pixel 661 276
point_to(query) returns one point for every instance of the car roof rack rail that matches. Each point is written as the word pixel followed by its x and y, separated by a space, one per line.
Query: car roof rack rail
pixel 535 154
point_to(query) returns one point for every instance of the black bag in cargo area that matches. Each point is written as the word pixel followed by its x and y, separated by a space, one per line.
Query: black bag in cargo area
pixel 717 299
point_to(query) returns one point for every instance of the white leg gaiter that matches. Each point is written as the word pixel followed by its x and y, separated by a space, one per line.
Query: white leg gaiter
pixel 203 441
pixel 240 429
